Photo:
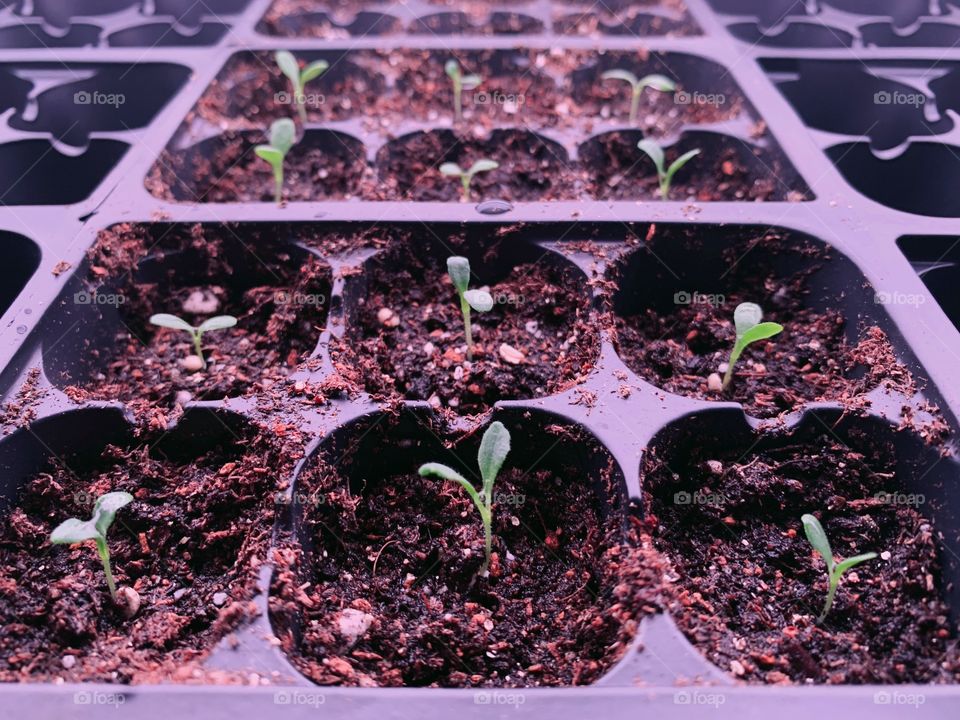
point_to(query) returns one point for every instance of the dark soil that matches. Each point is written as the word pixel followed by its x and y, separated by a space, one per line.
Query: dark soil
pixel 810 360
pixel 477 22
pixel 749 586
pixel 197 528
pixel 281 306
pixel 606 18
pixel 541 311
pixel 563 600
pixel 324 165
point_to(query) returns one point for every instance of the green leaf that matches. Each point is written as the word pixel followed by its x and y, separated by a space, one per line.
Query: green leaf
pixel 659 82
pixel 845 565
pixel 443 472
pixel 452 69
pixel 818 538
pixel 171 321
pixel 483 165
pixel 619 74
pixel 479 300
pixel 469 82
pixel 283 134
pixel 288 66
pixel 681 161
pixel 220 322
pixel 270 154
pixel 760 332
pixel 655 153
pixel 493 451
pixel 459 271
pixel 746 316
pixel 106 508
pixel 451 170
pixel 74 531
pixel 313 70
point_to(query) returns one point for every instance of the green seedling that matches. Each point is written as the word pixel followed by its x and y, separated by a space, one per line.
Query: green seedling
pixel 479 300
pixel 835 570
pixel 747 320
pixel 460 82
pixel 658 82
pixel 220 322
pixel 466 176
pixel 299 78
pixel 665 174
pixel 493 451
pixel 283 135
pixel 73 531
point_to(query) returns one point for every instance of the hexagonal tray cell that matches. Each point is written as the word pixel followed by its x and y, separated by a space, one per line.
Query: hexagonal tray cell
pixel 34 35
pixel 531 167
pixel 329 25
pixel 901 12
pixel 163 34
pixel 73 101
pixel 190 544
pixel 647 18
pixel 768 12
pixel 59 13
pixel 323 165
pixel 926 34
pixel 937 261
pixel 793 35
pixel 404 330
pixel 462 23
pixel 98 341
pixel 920 180
pixel 21 257
pixel 36 173
pixel 725 505
pixel 879 101
pixel 377 584
pixel 728 168
pixel 674 301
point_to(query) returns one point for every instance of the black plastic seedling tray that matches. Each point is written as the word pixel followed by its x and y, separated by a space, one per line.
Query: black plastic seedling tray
pixel 843 113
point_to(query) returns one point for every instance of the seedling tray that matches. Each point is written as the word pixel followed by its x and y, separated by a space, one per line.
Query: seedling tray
pixel 827 191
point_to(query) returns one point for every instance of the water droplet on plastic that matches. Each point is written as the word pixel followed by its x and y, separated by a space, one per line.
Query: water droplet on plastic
pixel 494 207
pixel 27 311
pixel 21 329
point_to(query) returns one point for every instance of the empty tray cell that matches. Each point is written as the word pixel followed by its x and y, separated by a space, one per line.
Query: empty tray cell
pixel 101 344
pixel 161 34
pixel 725 504
pixel 76 101
pixel 21 257
pixel 35 173
pixel 921 180
pixel 926 34
pixel 793 35
pixel 14 90
pixel 768 12
pixel 848 98
pixel 33 35
pixel 937 261
pixel 946 89
pixel 193 12
pixel 336 18
pixel 60 13
pixel 901 12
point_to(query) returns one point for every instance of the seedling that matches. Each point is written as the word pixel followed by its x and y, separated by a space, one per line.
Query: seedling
pixel 493 451
pixel 835 570
pixel 638 85
pixel 73 531
pixel 480 300
pixel 283 135
pixel 747 319
pixel 460 82
pixel 298 79
pixel 466 176
pixel 220 322
pixel 665 174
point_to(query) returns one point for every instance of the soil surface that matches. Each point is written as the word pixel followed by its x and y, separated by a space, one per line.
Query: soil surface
pixel 190 544
pixel 624 18
pixel 323 165
pixel 749 586
pixel 391 596
pixel 541 312
pixel 279 299
pixel 678 349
